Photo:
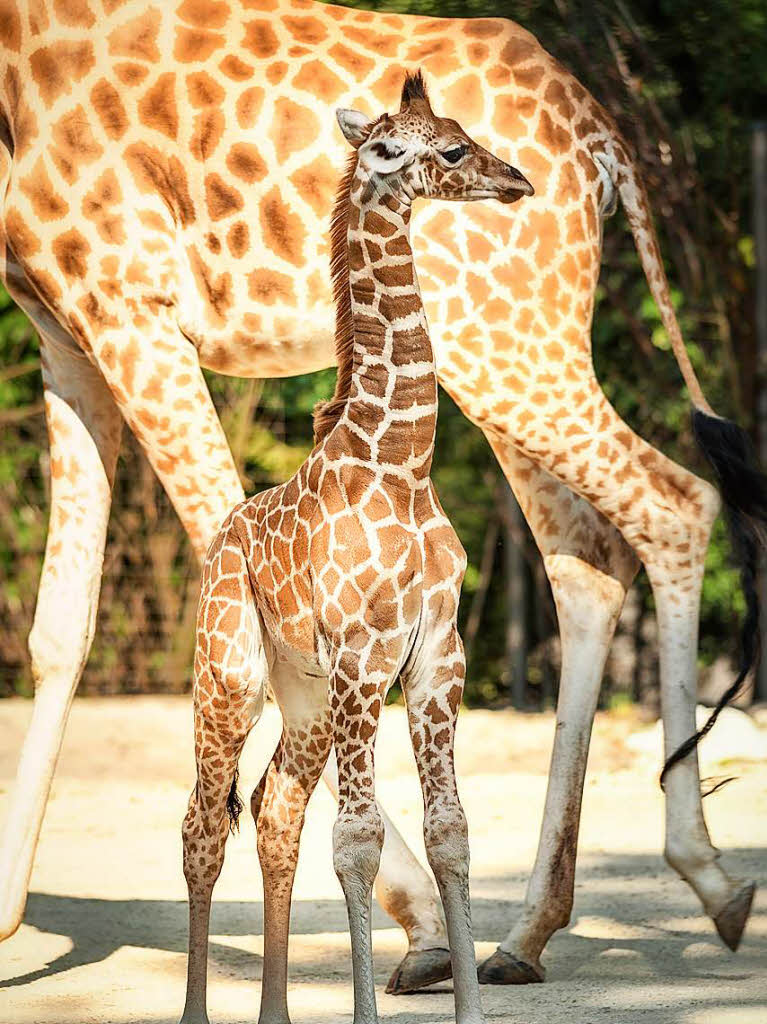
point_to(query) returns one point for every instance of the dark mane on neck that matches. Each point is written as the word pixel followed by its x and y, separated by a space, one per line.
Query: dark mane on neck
pixel 327 414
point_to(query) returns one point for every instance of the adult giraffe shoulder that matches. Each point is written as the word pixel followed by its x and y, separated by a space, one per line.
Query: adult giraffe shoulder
pixel 165 183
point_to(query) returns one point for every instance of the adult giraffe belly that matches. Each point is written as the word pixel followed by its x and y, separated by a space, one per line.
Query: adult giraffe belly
pixel 499 283
pixel 285 326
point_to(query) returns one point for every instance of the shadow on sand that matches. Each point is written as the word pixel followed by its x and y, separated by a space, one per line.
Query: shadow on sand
pixel 615 888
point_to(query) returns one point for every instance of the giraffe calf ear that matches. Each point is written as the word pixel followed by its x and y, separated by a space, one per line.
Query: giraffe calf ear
pixel 385 156
pixel 355 126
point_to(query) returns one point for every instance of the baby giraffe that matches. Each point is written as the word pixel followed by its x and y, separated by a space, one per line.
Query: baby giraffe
pixel 347 578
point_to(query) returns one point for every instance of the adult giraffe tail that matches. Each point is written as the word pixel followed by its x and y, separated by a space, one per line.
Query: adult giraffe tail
pixel 727 447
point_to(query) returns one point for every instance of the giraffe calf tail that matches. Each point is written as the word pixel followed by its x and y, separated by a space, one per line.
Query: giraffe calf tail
pixel 234 804
pixel 726 446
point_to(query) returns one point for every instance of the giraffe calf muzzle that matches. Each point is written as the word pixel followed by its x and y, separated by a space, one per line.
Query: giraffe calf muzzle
pixel 516 187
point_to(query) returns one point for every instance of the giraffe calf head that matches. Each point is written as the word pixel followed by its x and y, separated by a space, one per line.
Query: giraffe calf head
pixel 420 154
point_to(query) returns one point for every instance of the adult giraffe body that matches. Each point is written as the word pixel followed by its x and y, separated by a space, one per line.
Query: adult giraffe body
pixel 166 186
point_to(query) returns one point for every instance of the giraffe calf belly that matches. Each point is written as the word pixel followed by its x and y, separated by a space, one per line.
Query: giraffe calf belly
pixel 298 682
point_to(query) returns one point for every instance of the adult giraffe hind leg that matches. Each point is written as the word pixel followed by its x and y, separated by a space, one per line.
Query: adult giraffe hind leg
pixel 665 513
pixel 590 567
pixel 84 434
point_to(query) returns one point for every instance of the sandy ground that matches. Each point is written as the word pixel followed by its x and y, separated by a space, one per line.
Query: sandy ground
pixel 104 936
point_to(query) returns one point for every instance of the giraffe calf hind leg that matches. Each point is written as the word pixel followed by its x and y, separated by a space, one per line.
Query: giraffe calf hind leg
pixel 278 806
pixel 230 675
pixel 204 832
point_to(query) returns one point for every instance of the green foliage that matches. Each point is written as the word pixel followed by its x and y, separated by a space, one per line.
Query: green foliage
pixel 698 75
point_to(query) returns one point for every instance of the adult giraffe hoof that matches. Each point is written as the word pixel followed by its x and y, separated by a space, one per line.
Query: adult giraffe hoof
pixel 731 921
pixel 420 968
pixel 504 969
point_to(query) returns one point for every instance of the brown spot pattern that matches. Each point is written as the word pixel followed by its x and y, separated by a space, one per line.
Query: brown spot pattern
pixel 137 38
pixel 56 67
pixel 10 27
pixel 157 107
pixel 319 80
pixel 269 287
pixel 109 109
pixel 245 162
pixel 260 38
pixel 74 143
pixel 71 250
pixel 196 45
pixel 47 204
pixel 294 127
pixel 281 229
pixel 222 199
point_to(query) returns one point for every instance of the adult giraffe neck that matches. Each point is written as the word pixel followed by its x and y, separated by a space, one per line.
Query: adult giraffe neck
pixel 393 388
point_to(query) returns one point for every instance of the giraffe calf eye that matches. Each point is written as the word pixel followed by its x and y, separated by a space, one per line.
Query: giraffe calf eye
pixel 454 154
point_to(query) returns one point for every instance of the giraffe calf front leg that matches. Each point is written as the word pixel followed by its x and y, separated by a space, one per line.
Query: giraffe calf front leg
pixel 408 894
pixel 433 692
pixel 358 833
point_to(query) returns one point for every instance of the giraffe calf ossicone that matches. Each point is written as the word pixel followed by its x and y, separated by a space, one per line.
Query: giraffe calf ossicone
pixel 348 578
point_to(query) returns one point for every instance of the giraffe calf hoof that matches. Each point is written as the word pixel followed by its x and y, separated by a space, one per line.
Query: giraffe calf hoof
pixel 504 968
pixel 420 968
pixel 731 921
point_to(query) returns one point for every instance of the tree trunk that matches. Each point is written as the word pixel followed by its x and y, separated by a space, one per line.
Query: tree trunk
pixel 759 164
pixel 480 594
pixel 516 598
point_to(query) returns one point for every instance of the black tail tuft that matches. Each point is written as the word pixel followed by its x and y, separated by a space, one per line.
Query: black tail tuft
pixel 743 488
pixel 234 804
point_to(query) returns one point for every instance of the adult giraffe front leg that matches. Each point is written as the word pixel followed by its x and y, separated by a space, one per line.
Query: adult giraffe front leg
pixel 84 433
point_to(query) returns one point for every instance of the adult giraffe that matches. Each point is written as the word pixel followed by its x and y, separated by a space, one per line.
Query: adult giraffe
pixel 166 185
